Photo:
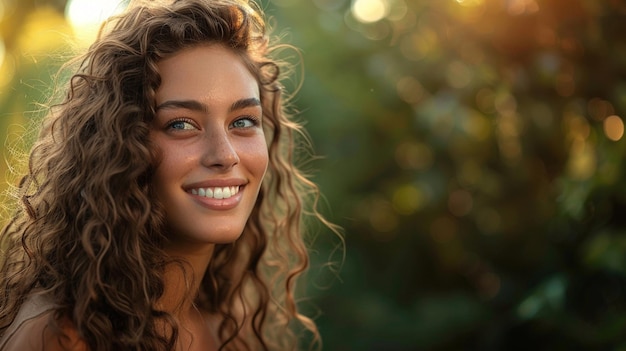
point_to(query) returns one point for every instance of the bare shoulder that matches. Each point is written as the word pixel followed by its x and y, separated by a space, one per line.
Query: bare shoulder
pixel 41 334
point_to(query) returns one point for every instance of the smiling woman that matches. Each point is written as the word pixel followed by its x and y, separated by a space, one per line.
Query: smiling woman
pixel 208 130
pixel 162 209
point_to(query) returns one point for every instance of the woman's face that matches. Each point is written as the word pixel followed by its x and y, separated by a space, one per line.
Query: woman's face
pixel 214 155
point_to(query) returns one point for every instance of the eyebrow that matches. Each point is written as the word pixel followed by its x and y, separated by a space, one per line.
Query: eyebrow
pixel 195 105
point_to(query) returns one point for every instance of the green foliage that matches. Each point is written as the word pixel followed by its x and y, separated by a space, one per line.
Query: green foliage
pixel 470 156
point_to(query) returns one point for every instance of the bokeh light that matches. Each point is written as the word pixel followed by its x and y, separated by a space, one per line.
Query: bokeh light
pixel 398 11
pixel 470 3
pixel 614 127
pixel 408 199
pixel 86 16
pixel 370 11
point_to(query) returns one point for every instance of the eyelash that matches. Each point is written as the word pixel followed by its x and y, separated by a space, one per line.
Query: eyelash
pixel 255 121
pixel 179 120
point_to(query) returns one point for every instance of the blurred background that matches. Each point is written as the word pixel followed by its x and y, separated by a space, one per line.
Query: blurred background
pixel 473 152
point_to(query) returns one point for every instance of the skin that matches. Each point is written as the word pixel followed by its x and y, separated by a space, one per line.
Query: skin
pixel 208 129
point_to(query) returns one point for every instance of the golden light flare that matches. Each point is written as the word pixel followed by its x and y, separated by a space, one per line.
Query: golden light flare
pixel 614 127
pixel 370 11
pixel 86 17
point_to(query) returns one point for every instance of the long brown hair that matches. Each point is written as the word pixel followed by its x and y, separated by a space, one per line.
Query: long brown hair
pixel 89 232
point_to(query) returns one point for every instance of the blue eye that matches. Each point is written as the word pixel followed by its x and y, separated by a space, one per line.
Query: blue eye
pixel 181 125
pixel 246 122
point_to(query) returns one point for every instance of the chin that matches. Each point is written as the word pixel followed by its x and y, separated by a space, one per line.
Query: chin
pixel 225 239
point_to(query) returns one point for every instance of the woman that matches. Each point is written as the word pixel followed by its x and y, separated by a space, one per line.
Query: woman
pixel 161 209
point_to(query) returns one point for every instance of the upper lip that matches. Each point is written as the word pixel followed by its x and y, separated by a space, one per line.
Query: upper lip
pixel 215 183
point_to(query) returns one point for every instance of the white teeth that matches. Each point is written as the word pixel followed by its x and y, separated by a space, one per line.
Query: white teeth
pixel 227 193
pixel 217 192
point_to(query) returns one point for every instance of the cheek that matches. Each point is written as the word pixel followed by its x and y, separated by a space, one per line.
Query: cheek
pixel 256 156
pixel 172 164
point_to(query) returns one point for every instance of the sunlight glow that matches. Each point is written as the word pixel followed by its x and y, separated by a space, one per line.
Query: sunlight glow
pixel 7 66
pixel 469 3
pixel 86 16
pixel 370 11
pixel 2 52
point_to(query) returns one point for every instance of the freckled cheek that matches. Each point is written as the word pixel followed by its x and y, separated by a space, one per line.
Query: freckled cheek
pixel 256 156
pixel 173 163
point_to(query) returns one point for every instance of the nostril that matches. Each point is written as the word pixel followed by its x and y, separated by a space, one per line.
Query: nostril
pixel 220 152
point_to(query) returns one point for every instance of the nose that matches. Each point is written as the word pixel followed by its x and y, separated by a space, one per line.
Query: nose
pixel 219 151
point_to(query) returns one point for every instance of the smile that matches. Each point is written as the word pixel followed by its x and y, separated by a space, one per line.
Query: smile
pixel 216 192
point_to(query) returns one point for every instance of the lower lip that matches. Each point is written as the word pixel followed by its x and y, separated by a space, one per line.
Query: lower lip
pixel 219 204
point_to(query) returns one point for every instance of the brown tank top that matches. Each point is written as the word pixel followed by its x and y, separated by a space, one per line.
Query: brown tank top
pixel 33 307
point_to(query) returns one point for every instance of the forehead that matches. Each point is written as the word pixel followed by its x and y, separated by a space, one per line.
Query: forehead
pixel 207 73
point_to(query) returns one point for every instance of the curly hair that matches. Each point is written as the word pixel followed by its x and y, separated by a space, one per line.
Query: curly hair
pixel 88 211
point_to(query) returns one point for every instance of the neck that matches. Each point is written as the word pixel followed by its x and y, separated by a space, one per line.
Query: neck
pixel 183 277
